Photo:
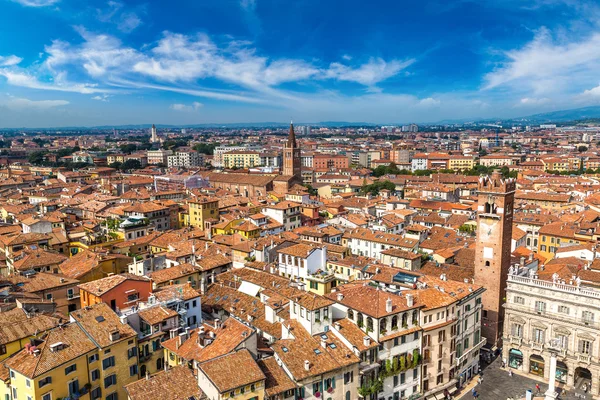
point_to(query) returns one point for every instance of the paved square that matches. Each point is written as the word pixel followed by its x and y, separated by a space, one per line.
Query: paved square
pixel 498 385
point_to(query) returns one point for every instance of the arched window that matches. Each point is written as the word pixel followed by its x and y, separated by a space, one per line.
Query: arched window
pixel 351 315
pixel 395 322
pixel 143 370
pixel 369 324
pixel 359 320
pixel 382 325
pixel 487 263
pixel 404 320
pixel 159 363
pixel 415 318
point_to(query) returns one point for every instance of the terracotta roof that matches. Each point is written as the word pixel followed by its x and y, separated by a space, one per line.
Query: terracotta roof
pixel 225 377
pixel 369 300
pixel 99 321
pixel 277 380
pixel 173 384
pixel 156 314
pixel 101 286
pixel 228 337
pixel 302 347
pixel 176 272
pixel 16 324
pixel 75 344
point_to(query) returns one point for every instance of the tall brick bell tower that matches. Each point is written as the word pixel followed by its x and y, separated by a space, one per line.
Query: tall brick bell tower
pixel 492 255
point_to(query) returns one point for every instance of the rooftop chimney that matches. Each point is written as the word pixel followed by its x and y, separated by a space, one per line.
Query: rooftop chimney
pixel 388 305
pixel 366 341
pixel 306 365
pixel 340 297
pixel 410 300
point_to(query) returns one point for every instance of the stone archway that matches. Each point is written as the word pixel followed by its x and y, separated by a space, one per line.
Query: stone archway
pixel 561 372
pixel 536 365
pixel 583 379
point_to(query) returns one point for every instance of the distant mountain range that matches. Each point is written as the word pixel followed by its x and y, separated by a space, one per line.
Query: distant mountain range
pixel 559 116
pixel 575 114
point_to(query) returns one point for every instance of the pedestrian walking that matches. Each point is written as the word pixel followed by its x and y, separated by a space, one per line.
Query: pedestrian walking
pixel 537 387
pixel 510 372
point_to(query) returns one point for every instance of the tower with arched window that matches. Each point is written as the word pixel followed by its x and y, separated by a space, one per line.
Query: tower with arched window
pixel 493 251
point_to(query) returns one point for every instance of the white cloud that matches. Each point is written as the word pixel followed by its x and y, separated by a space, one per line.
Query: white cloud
pixel 9 60
pixel 36 3
pixel 532 101
pixel 179 63
pixel 195 106
pixel 248 4
pixel 102 97
pixel 592 93
pixel 18 104
pixel 369 74
pixel 347 57
pixel 29 81
pixel 429 102
pixel 126 21
pixel 546 65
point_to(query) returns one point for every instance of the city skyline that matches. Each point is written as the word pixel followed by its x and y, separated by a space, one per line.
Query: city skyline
pixel 116 63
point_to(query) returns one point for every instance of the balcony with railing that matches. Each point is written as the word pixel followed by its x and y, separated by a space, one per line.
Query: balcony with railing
pixel 538 346
pixel 584 358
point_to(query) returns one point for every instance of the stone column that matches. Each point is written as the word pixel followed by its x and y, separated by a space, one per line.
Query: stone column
pixel 552 378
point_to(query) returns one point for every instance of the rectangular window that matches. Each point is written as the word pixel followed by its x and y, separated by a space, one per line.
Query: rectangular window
pixel 563 309
pixel 585 346
pixel 93 358
pixel 70 369
pixel 540 306
pixel 43 382
pixel 112 396
pixel 96 394
pixel 110 380
pixel 95 375
pixel 588 317
pixel 132 352
pixel 519 300
pixel 47 396
pixel 108 362
pixel 133 370
pixel 538 335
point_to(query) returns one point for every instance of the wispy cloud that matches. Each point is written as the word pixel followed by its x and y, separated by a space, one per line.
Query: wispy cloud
pixel 36 3
pixel 26 80
pixel 18 104
pixel 195 106
pixel 183 64
pixel 547 65
pixel 9 60
pixel 126 21
pixel 102 97
pixel 369 74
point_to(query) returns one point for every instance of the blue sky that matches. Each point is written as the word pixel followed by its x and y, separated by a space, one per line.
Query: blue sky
pixel 65 63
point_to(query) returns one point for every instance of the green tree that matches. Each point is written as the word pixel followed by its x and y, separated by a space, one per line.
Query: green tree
pixel 376 187
pixel 36 158
pixel 131 164
pixel 205 148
